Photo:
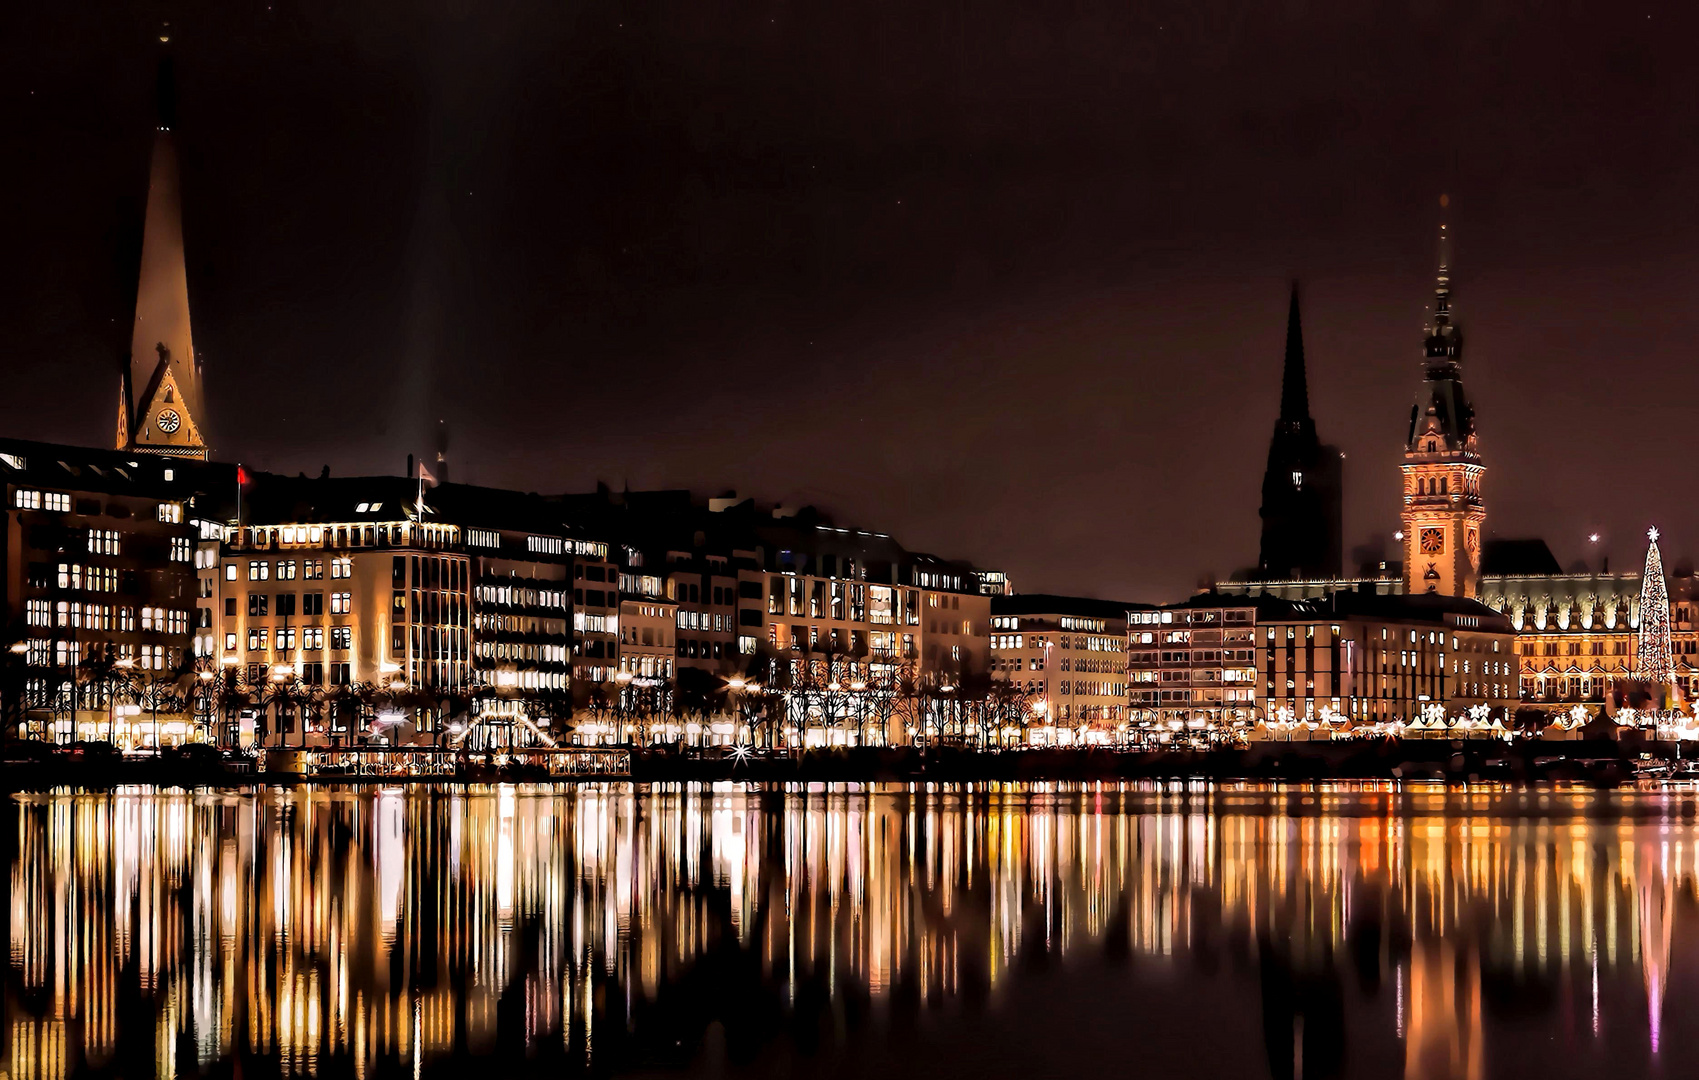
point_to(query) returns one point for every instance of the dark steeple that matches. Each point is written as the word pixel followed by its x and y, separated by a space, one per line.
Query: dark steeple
pixel 1295 386
pixel 1302 487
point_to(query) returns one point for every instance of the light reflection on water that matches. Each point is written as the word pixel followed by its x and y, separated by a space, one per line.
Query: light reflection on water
pixel 1340 930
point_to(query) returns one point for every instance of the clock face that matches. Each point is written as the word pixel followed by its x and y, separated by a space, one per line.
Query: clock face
pixel 1433 541
pixel 169 421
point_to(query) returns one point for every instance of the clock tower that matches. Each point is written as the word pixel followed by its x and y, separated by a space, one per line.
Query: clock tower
pixel 1442 511
pixel 159 396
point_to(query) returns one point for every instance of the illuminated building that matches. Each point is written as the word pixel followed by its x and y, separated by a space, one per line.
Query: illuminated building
pixel 1374 659
pixel 1225 659
pixel 1199 659
pixel 647 629
pixel 452 597
pixel 1302 486
pixel 99 590
pixel 332 584
pixel 160 407
pixel 1577 633
pixel 1443 509
pixel 1067 654
pixel 783 599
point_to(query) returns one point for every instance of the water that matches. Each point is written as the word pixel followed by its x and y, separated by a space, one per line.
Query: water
pixel 997 930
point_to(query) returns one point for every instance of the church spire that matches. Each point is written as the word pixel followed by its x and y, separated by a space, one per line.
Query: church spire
pixel 1294 385
pixel 1444 346
pixel 1302 486
pixel 161 409
pixel 1442 288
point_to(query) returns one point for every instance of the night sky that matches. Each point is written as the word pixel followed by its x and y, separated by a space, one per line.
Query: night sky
pixel 1006 280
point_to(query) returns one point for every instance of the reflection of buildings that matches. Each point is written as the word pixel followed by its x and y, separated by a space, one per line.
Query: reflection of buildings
pixel 1444 1027
pixel 382 930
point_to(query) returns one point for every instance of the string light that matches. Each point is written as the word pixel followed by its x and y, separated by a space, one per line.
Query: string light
pixel 1652 660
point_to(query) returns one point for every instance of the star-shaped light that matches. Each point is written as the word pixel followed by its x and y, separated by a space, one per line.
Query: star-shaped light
pixel 1652 534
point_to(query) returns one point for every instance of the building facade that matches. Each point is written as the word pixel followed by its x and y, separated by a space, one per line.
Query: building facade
pixel 1577 633
pixel 1067 656
pixel 100 593
pixel 1192 665
pixel 1369 659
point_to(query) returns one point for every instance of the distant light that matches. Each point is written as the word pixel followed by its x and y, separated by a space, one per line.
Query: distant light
pixel 1593 538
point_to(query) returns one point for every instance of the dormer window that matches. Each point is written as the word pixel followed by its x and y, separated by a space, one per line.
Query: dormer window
pixel 1297 479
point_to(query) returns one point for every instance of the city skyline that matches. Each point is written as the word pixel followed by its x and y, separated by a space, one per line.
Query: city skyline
pixel 1132 344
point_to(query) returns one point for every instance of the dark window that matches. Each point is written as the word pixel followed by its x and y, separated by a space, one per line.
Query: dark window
pixel 286 603
pixel 259 604
pixel 230 605
pixel 749 617
pixel 312 603
pixel 398 571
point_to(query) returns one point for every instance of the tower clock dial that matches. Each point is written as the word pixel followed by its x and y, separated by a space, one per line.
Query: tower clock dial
pixel 168 421
pixel 1433 541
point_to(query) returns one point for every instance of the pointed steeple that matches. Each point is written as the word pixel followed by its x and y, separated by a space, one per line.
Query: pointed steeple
pixel 161 410
pixel 1294 385
pixel 1302 486
pixel 1444 339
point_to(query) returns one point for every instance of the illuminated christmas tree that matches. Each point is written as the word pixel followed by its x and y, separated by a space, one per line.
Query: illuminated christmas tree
pixel 1652 660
